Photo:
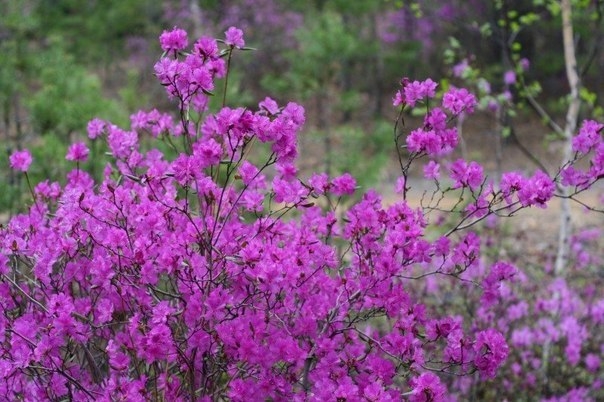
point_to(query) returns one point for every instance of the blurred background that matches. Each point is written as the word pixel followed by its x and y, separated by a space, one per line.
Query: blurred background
pixel 64 62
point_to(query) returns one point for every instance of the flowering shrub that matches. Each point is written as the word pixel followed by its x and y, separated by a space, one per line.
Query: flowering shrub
pixel 209 277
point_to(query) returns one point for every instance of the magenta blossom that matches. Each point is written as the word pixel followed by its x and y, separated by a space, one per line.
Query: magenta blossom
pixel 465 174
pixel 432 170
pixel 95 128
pixel 413 92
pixel 77 152
pixel 20 160
pixel 344 184
pixel 234 37
pixel 427 388
pixel 173 40
pixel 459 100
pixel 491 351
pixel 509 78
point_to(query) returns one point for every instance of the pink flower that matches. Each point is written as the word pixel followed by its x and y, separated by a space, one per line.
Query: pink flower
pixel 418 90
pixel 511 182
pixel 319 182
pixel 287 170
pixel 248 172
pixel 345 184
pixel 500 271
pixel 464 174
pixel 436 119
pixel 77 152
pixel 491 351
pixel 592 362
pixel 95 128
pixel 589 136
pixel 206 47
pixel 432 170
pixel 208 152
pixel 420 140
pixel 537 190
pixel 20 160
pixel 509 78
pixel 173 40
pixel 269 105
pixel 459 100
pixel 460 68
pixel 234 38
pixel 400 185
pixel 288 192
pixel 427 388
pixel 4 264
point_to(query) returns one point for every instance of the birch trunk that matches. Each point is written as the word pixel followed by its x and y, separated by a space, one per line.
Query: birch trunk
pixel 570 126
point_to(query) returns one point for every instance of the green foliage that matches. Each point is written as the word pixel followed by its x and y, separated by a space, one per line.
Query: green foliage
pixel 68 96
pixel 130 94
pixel 360 152
pixel 54 53
pixel 325 45
pixel 94 31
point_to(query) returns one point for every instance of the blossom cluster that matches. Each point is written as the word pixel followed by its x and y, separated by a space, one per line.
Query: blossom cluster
pixel 212 276
pixel 435 138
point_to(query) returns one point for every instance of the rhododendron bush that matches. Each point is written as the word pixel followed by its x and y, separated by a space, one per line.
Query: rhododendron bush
pixel 213 276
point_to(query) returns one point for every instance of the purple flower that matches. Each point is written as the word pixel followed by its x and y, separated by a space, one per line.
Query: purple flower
pixel 20 160
pixel 234 38
pixel 77 152
pixel 399 99
pixel 207 152
pixel 420 140
pixel 537 190
pixel 500 271
pixel 436 120
pixel 460 68
pixel 427 388
pixel 592 362
pixel 459 100
pixel 464 174
pixel 509 78
pixel 206 47
pixel 400 185
pixel 442 328
pixel 287 170
pixel 288 192
pixel 491 351
pixel 319 182
pixel 248 172
pixel 511 182
pixel 418 90
pixel 269 105
pixel 4 264
pixel 432 170
pixel 48 190
pixel 95 128
pixel 345 184
pixel 173 40
pixel 442 245
pixel 588 137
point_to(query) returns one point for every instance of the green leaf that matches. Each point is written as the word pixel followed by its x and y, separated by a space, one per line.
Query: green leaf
pixel 506 132
pixel 587 96
pixel 486 30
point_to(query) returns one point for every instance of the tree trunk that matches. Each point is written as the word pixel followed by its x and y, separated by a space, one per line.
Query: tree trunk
pixel 572 115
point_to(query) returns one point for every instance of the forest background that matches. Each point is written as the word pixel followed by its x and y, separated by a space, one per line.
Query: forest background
pixel 65 62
